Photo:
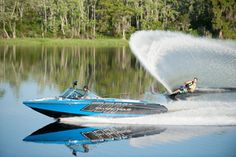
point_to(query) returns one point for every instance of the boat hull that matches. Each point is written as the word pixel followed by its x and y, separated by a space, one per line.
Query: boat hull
pixel 95 107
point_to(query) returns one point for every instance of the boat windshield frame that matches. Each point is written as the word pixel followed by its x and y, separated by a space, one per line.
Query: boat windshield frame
pixel 75 93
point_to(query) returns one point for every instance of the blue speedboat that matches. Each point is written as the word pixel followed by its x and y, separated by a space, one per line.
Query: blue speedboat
pixel 80 102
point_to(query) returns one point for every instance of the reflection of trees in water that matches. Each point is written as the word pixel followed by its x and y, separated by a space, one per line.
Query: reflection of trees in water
pixel 12 68
pixel 2 92
pixel 105 70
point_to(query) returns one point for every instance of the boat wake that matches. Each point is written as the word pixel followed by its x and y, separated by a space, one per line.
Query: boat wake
pixel 180 113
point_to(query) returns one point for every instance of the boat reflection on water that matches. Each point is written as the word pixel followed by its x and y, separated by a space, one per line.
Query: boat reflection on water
pixel 80 138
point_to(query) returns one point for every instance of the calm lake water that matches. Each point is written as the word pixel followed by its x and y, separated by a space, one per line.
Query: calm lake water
pixel 29 72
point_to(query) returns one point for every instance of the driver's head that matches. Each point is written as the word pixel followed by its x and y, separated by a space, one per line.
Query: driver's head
pixel 195 79
pixel 85 88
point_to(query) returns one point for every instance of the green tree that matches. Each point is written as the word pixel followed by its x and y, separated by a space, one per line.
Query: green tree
pixel 224 22
pixel 201 16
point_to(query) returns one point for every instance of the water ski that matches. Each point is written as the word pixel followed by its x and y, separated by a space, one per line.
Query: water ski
pixel 180 91
pixel 173 96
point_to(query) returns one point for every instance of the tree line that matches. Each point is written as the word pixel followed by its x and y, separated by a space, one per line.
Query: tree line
pixel 89 19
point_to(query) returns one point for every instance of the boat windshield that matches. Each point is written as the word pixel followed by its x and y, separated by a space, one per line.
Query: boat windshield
pixel 72 93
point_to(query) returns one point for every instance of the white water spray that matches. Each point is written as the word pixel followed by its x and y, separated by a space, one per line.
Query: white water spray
pixel 173 58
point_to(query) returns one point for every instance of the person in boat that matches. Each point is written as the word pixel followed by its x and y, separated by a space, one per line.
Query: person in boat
pixel 85 95
pixel 188 87
pixel 86 90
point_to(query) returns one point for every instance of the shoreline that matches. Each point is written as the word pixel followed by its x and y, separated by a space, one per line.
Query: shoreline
pixel 100 42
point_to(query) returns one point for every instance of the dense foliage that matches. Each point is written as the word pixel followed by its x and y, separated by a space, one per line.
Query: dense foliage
pixel 115 18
